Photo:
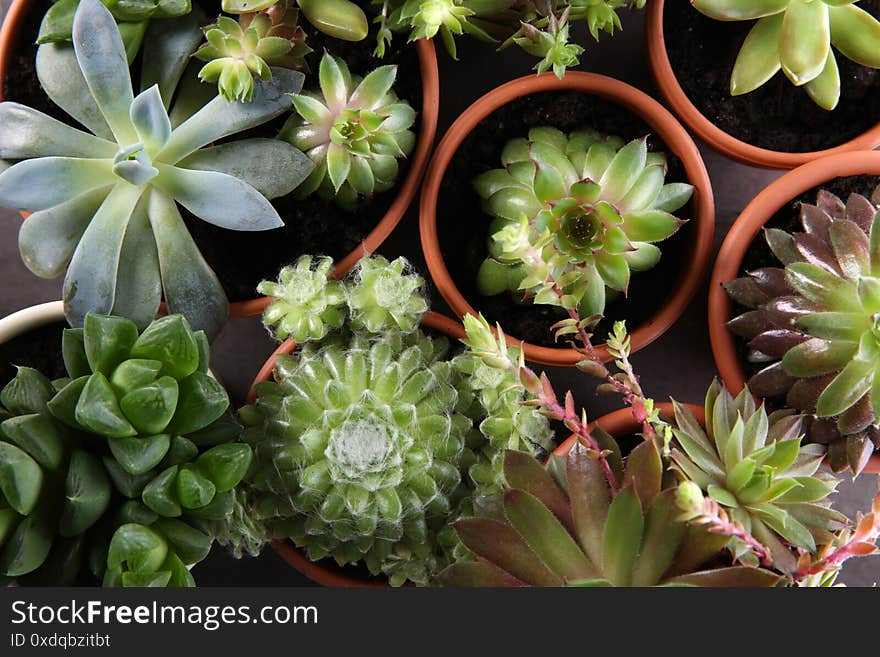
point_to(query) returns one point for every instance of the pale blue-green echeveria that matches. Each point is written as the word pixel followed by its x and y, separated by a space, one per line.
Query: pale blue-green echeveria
pixel 577 213
pixel 133 18
pixel 238 51
pixel 799 37
pixel 353 129
pixel 106 202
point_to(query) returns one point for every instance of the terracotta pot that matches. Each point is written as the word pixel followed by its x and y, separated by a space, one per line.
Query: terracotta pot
pixel 708 131
pixel 406 191
pixel 746 229
pixel 326 572
pixel 620 424
pixel 699 231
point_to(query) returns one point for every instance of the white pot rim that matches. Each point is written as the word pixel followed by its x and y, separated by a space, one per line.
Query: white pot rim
pixel 27 319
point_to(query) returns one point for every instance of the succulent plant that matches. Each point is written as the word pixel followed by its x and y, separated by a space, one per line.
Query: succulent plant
pixel 133 19
pixel 359 451
pixel 753 465
pixel 353 129
pixel 386 296
pixel 119 471
pixel 813 325
pixel 105 201
pixel 237 51
pixel 562 526
pixel 341 19
pixel 797 36
pixel 575 213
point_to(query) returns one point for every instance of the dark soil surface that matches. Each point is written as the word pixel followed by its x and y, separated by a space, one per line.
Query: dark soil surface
pixel 787 218
pixel 39 349
pixel 463 228
pixel 777 116
pixel 314 226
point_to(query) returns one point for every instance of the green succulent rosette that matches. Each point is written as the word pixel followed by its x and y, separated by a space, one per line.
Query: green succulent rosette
pixel 119 471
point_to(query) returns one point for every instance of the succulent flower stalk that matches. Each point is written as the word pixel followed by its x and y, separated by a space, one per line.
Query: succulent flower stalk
pixel 117 472
pixel 105 202
pixel 238 51
pixel 353 129
pixel 798 37
pixel 573 215
pixel 814 324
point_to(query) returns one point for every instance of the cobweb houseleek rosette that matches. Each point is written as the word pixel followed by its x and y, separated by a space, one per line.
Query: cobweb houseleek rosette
pixel 105 202
pixel 353 129
pixel 798 37
pixel 574 215
pixel 813 326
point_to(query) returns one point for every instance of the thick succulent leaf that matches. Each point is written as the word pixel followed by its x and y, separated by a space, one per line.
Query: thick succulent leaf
pixel 758 59
pixel 503 546
pixel 673 196
pixel 29 544
pixel 139 455
pixel 476 574
pixel 226 465
pixel 86 494
pixel 63 81
pixel 189 544
pixel 28 133
pixel 805 40
pixel 546 536
pixel 373 88
pixel 40 437
pixel 650 225
pixel 160 494
pixel 191 287
pixel 150 119
pixel 168 46
pixel 663 535
pixel 816 357
pixel 824 89
pixel 90 284
pixel 47 239
pixel 43 183
pixel 107 341
pixel 221 118
pixel 21 479
pixel 623 537
pixel 822 287
pixel 98 410
pixel 218 198
pixel 27 393
pixel 846 389
pixel 522 471
pixel 739 10
pixel 590 498
pixel 104 65
pixel 138 547
pixel 732 576
pixel 170 341
pixel 623 172
pixel 856 34
pixel 273 167
pixel 644 472
pixel 334 81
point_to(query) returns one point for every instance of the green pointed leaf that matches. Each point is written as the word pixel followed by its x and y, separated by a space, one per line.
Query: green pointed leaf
pixel 846 389
pixel 28 392
pixel 140 455
pixel 21 479
pixel 663 535
pixel 189 544
pixel 161 494
pixel 73 350
pixel 139 548
pixel 108 341
pixel 37 435
pixel 805 40
pixel 194 490
pixel 151 407
pixel 201 401
pixel 29 545
pixel 225 465
pixel 170 341
pixel 623 537
pixel 86 492
pixel 98 410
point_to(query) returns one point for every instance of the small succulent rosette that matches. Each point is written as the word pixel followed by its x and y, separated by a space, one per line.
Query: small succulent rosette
pixel 812 324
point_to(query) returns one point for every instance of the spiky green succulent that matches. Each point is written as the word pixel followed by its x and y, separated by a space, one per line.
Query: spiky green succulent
pixel 117 472
pixel 238 51
pixel 797 36
pixel 576 213
pixel 386 296
pixel 563 526
pixel 814 324
pixel 754 465
pixel 353 129
pixel 133 18
pixel 104 202
pixel 552 45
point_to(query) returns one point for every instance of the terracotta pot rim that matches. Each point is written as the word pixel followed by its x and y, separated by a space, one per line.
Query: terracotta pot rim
pixel 641 105
pixel 325 572
pixel 27 319
pixel 712 134
pixel 744 231
pixel 405 193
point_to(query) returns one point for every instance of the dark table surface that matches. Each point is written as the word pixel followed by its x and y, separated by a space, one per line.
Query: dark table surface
pixel 679 364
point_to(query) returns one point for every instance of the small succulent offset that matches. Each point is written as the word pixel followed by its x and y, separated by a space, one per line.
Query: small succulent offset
pixel 753 465
pixel 238 51
pixel 814 324
pixel 575 213
pixel 797 36
pixel 379 296
pixel 353 129
pixel 106 202
pixel 133 18
pixel 118 472
pixel 341 19
pixel 562 526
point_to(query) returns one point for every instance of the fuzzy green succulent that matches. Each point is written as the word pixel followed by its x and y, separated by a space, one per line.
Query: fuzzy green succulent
pixel 119 471
pixel 797 36
pixel 754 466
pixel 353 129
pixel 105 202
pixel 562 526
pixel 133 17
pixel 814 324
pixel 386 296
pixel 575 213
pixel 238 51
